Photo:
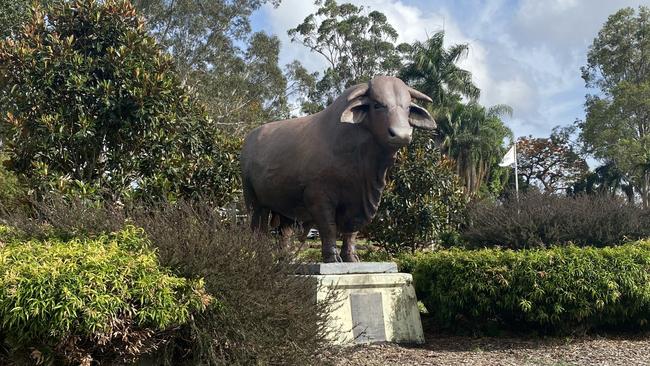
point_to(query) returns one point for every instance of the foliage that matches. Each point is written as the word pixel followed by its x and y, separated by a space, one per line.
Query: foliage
pixel 432 69
pixel 13 14
pixel 102 298
pixel 92 105
pixel 469 134
pixel 539 220
pixel 549 163
pixel 266 315
pixel 234 70
pixel 356 46
pixel 606 179
pixel 619 52
pixel 473 136
pixel 557 290
pixel 12 193
pixel 423 200
pixel 616 126
pixel 8 233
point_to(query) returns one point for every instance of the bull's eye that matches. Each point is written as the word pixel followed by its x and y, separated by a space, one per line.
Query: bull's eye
pixel 379 106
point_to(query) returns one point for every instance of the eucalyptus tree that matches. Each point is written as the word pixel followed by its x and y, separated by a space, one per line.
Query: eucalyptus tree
pixel 355 43
pixel 234 70
pixel 617 125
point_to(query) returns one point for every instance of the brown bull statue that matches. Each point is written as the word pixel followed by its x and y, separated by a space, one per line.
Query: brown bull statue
pixel 329 168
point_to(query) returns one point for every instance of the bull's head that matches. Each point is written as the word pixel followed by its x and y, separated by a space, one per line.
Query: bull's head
pixel 384 106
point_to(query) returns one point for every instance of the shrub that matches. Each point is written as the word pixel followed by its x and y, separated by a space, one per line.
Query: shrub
pixel 105 298
pixel 12 193
pixel 539 220
pixel 92 106
pixel 266 315
pixel 555 289
pixel 423 201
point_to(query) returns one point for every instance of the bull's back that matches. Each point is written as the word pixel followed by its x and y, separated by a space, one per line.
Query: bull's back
pixel 277 161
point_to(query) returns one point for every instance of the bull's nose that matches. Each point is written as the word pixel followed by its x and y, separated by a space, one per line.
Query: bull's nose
pixel 399 136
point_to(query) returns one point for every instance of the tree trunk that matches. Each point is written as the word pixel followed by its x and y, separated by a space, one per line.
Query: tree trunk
pixel 644 190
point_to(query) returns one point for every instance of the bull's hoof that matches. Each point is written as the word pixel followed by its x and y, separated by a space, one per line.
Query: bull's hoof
pixel 332 258
pixel 350 257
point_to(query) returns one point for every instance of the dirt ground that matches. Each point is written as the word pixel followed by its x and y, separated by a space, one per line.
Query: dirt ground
pixel 459 350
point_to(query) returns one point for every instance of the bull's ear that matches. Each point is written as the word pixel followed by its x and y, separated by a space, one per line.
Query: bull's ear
pixel 356 110
pixel 420 118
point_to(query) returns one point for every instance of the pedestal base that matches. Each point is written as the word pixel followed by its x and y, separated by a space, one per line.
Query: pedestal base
pixel 371 307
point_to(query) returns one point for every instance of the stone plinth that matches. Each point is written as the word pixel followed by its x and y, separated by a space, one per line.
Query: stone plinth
pixel 374 302
pixel 346 268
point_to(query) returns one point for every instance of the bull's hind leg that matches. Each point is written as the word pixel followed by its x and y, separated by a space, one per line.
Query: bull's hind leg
pixel 260 219
pixel 259 214
pixel 348 250
pixel 252 206
pixel 286 231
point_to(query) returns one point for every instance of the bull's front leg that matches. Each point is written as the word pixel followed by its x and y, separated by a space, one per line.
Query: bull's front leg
pixel 328 241
pixel 348 251
pixel 324 217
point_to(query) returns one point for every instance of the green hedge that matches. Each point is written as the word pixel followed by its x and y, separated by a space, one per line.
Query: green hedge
pixel 84 298
pixel 557 289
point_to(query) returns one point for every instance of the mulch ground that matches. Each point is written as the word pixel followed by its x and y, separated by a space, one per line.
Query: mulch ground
pixel 459 350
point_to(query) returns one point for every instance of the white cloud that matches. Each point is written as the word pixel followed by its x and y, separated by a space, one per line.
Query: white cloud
pixel 563 23
pixel 289 14
pixel 526 53
pixel 412 24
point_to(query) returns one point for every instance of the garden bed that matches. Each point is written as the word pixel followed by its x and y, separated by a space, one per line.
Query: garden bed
pixel 466 350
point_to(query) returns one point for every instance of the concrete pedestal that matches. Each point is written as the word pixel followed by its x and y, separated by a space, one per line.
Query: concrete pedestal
pixel 374 302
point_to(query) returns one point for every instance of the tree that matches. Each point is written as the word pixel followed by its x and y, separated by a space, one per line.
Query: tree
pixel 606 179
pixel 11 191
pixel 235 71
pixel 617 125
pixel 356 46
pixel 432 69
pixel 423 203
pixel 473 136
pixel 469 134
pixel 13 14
pixel 91 103
pixel 549 163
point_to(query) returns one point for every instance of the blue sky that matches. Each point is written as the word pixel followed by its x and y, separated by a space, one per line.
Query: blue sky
pixel 525 53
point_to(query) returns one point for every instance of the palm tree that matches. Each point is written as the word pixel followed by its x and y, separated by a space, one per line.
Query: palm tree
pixel 476 141
pixel 468 133
pixel 432 69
